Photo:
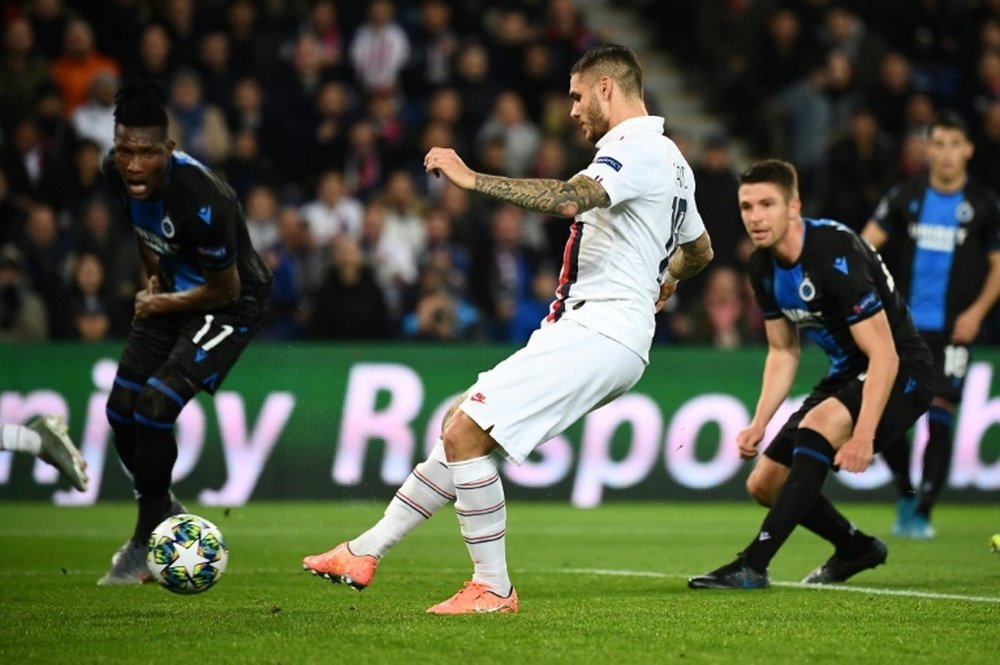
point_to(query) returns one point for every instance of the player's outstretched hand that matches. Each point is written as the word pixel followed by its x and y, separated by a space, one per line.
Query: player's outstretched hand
pixel 447 161
pixel 855 455
pixel 749 439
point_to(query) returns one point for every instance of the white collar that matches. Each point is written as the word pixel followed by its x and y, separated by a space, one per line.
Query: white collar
pixel 638 123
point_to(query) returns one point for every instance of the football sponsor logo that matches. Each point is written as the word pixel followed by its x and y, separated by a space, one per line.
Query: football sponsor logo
pixel 167 227
pixel 478 397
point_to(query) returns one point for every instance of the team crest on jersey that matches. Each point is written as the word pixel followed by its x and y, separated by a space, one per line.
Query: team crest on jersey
pixel 167 227
pixel 964 212
pixel 807 290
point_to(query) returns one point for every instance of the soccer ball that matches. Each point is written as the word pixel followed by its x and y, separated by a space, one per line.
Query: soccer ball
pixel 186 554
pixel 995 543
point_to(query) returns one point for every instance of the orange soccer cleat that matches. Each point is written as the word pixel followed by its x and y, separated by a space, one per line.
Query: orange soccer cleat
pixel 341 565
pixel 476 598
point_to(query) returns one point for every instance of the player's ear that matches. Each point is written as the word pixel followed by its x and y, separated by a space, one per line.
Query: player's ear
pixel 171 144
pixel 605 85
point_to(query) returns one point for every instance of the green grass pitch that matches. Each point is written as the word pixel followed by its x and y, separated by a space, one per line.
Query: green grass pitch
pixel 603 585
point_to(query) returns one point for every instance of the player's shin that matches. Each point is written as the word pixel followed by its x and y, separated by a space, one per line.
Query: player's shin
pixel 813 456
pixel 937 458
pixel 482 516
pixel 157 407
pixel 428 488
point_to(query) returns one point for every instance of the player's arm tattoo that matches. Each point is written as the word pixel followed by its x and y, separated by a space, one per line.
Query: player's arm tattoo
pixel 691 257
pixel 547 196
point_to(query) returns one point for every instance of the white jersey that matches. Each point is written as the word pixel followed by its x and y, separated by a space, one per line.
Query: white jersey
pixel 615 257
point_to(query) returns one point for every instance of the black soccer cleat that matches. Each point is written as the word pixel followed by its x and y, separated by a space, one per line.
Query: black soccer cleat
pixel 839 568
pixel 735 575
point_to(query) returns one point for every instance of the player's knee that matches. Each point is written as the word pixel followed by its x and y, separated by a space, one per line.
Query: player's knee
pixel 121 403
pixel 761 489
pixel 450 413
pixel 464 439
pixel 160 401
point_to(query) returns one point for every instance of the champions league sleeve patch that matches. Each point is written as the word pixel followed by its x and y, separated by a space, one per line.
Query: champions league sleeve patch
pixel 868 305
pixel 609 161
pixel 213 252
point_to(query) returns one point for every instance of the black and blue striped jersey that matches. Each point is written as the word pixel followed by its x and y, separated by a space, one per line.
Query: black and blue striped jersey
pixel 197 224
pixel 839 280
pixel 938 247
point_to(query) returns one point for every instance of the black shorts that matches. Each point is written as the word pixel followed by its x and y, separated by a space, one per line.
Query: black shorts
pixel 201 347
pixel 951 363
pixel 910 398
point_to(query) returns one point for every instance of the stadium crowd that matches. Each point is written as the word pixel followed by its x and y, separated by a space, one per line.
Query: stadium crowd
pixel 318 113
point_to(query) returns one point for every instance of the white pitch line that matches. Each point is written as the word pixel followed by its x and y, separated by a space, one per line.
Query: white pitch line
pixel 909 593
pixel 603 572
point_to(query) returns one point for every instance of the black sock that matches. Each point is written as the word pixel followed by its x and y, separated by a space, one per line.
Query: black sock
pixel 937 459
pixel 124 439
pixel 154 463
pixel 151 513
pixel 828 523
pixel 897 457
pixel 812 457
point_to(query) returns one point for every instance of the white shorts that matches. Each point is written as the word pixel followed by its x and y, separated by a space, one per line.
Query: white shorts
pixel 564 372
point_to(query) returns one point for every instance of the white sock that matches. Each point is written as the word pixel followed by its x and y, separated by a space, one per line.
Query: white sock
pixel 425 490
pixel 482 516
pixel 20 439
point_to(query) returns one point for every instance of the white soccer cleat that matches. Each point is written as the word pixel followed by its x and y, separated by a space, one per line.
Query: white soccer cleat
pixel 59 451
pixel 128 567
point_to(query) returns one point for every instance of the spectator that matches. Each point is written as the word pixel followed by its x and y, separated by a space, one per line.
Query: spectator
pixel 295 265
pixel 475 86
pixel 261 212
pixel 49 20
pixel 12 214
pixel 332 118
pixel 520 136
pixel 861 167
pixel 440 241
pixel 434 43
pixel 986 160
pixel 394 264
pixel 404 213
pixel 217 77
pixel 323 22
pixel 887 96
pixel 22 313
pixel 719 319
pixel 380 48
pixel 95 120
pixel 292 96
pixel 91 310
pixel 531 311
pixel 247 166
pixel 503 269
pixel 34 172
pixel 333 212
pixel 440 315
pixel 154 61
pixel 715 195
pixel 348 305
pixel 97 235
pixel 364 164
pixel 198 127
pixel 44 267
pixel 75 69
pixel 22 71
pixel 179 20
pixel 85 182
pixel 253 46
